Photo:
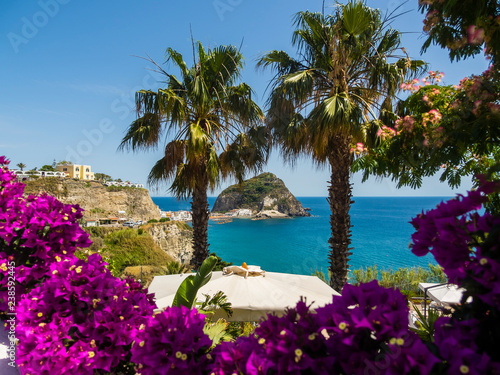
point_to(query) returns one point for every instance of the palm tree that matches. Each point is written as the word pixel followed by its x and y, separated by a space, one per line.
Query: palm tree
pixel 21 166
pixel 324 102
pixel 213 128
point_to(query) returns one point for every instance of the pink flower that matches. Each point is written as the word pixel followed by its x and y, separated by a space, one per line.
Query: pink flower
pixel 475 35
pixel 435 116
pixel 477 104
pixel 494 108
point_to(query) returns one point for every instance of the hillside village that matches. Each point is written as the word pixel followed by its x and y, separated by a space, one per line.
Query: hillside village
pixel 70 170
pixel 106 202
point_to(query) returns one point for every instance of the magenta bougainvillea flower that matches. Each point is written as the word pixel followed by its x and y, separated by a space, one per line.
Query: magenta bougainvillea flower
pixel 80 319
pixel 457 235
pixel 365 329
pixel 172 342
pixel 457 346
pixel 34 232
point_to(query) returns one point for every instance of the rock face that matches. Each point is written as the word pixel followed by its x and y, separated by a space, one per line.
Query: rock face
pixel 263 193
pixel 175 238
pixel 97 200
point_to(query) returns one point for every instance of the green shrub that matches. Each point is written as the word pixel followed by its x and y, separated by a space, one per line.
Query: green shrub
pixel 152 221
pixel 126 247
pixel 220 264
pixel 97 244
pixel 164 219
pixel 405 279
pixel 140 231
pixel 321 275
pixel 174 268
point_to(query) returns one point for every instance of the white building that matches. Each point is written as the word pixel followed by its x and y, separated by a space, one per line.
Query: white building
pixel 25 175
pixel 244 212
pixel 124 184
pixel 181 216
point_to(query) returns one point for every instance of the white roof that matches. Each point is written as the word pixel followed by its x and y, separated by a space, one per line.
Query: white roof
pixel 446 294
pixel 253 297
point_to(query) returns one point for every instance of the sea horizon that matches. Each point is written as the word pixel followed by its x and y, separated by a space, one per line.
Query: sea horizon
pixel 381 234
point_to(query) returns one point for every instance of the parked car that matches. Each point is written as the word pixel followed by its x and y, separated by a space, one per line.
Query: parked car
pixel 128 224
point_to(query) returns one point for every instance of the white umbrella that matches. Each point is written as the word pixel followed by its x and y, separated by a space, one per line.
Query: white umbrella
pixel 251 297
pixel 444 294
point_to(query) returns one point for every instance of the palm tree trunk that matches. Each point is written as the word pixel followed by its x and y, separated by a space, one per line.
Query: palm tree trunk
pixel 201 214
pixel 339 198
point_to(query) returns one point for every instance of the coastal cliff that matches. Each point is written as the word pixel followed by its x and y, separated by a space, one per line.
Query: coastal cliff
pixel 265 195
pixel 96 199
pixel 174 238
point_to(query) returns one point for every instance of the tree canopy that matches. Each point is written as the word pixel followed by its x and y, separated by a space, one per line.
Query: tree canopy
pixel 333 97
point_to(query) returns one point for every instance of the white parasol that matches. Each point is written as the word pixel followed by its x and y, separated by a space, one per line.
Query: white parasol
pixel 251 296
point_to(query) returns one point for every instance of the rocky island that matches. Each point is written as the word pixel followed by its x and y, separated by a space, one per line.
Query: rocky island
pixel 264 196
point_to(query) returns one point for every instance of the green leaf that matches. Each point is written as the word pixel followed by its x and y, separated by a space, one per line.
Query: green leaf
pixel 186 294
pixel 356 18
pixel 218 332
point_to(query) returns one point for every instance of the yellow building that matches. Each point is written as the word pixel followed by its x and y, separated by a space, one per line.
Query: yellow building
pixel 82 172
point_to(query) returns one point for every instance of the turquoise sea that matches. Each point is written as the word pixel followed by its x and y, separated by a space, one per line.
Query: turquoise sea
pixel 381 234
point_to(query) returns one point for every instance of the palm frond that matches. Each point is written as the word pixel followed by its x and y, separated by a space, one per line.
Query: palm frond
pixel 144 133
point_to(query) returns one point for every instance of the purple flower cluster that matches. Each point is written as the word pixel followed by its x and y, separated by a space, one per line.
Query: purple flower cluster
pixel 459 239
pixel 364 321
pixel 172 342
pixel 465 243
pixel 288 344
pixel 365 329
pixel 34 232
pixel 457 346
pixel 79 319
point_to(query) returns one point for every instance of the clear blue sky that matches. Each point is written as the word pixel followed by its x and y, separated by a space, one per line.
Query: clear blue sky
pixel 69 76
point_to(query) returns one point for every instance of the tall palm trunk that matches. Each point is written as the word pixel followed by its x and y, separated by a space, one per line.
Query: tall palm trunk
pixel 339 198
pixel 201 214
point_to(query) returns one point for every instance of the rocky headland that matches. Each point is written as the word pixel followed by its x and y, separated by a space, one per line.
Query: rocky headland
pixel 265 195
pixel 97 200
